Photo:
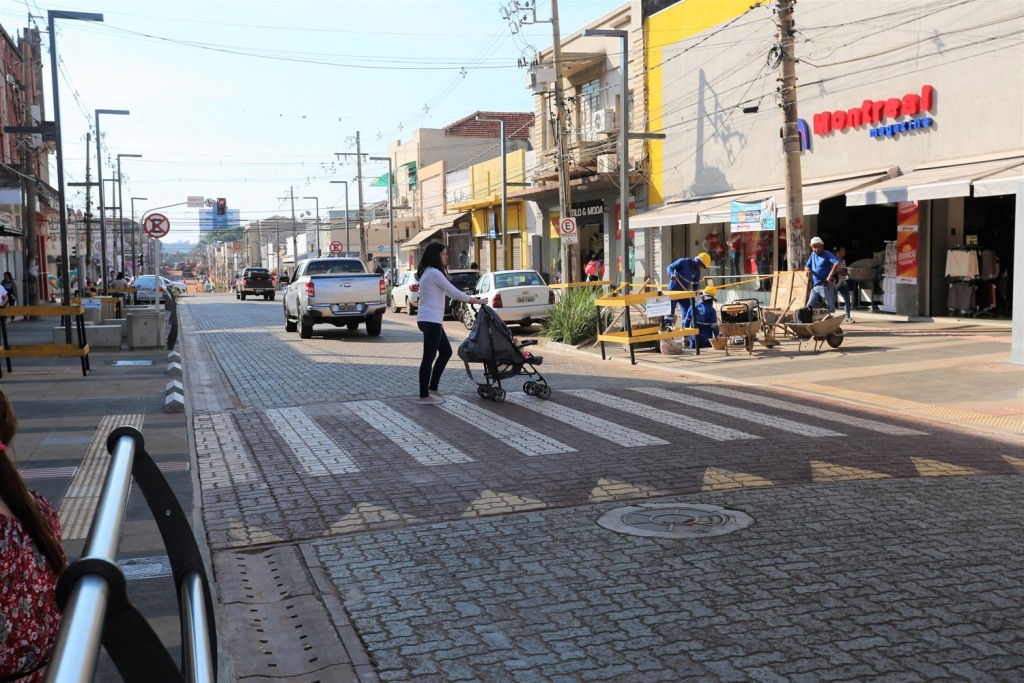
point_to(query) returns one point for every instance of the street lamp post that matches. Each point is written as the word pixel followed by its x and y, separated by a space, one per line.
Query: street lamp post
pixel 348 245
pixel 120 204
pixel 391 217
pixel 51 16
pixel 317 200
pixel 135 263
pixel 504 193
pixel 99 172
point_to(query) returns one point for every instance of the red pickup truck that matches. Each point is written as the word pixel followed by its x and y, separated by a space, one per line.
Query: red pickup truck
pixel 255 281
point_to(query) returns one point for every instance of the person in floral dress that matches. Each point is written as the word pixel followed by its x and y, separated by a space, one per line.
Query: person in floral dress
pixel 31 559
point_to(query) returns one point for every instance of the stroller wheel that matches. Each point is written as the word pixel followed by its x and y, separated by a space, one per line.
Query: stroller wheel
pixel 543 391
pixel 529 387
pixel 498 395
pixel 483 391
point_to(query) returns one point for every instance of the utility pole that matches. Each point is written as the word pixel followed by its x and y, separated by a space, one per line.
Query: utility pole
pixel 358 154
pixel 564 197
pixel 83 277
pixel 29 289
pixel 796 248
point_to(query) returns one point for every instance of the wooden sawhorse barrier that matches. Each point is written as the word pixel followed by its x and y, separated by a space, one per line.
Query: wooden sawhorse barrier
pixel 631 336
pixel 72 350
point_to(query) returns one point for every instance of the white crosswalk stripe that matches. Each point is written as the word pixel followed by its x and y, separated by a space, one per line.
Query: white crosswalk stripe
pixel 514 434
pixel 425 447
pixel 596 426
pixel 312 447
pixel 677 420
pixel 819 413
pixel 773 421
pixel 222 454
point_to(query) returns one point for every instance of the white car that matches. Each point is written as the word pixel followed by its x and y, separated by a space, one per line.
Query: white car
pixel 519 297
pixel 406 294
pixel 144 287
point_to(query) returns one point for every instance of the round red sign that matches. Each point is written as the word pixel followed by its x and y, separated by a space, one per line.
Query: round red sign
pixel 156 225
pixel 336 247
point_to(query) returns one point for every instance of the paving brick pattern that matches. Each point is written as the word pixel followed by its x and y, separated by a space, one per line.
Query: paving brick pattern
pixel 883 548
pixel 827 585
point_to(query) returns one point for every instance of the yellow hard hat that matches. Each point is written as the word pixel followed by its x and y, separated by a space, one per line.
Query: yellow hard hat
pixel 705 258
pixel 710 289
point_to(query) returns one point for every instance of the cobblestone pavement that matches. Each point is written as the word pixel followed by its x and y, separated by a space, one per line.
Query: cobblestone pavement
pixel 458 542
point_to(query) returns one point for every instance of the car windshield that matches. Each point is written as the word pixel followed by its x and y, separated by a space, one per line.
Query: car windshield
pixel 520 279
pixel 334 267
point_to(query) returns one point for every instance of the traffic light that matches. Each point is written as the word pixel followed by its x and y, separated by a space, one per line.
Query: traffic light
pixel 74 250
pixel 141 261
pixel 222 206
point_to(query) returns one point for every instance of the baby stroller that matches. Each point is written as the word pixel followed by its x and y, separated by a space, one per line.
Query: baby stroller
pixel 491 343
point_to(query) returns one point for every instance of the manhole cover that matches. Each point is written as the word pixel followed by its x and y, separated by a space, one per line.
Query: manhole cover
pixel 674 520
pixel 133 362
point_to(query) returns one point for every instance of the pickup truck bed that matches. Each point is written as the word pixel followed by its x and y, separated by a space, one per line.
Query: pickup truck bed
pixel 257 282
pixel 334 291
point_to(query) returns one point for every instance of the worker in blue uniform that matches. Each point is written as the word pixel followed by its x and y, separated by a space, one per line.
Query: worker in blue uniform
pixel 684 274
pixel 821 267
pixel 705 319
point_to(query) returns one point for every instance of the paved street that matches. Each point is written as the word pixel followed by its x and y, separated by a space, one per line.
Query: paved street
pixel 458 542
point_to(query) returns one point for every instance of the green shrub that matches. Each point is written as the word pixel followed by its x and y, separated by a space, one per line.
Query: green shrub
pixel 573 318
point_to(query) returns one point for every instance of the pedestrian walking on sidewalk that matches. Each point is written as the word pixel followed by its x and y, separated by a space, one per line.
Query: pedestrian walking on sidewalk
pixel 31 559
pixel 432 275
pixel 842 278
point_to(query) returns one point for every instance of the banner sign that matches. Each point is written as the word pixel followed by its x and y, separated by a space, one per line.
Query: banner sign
pixel 752 216
pixel 906 243
pixel 656 306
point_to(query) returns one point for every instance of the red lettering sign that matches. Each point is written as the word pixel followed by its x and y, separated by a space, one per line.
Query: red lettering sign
pixel 874 111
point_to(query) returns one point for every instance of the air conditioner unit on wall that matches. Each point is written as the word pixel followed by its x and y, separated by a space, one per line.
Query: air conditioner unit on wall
pixel 604 121
pixel 607 163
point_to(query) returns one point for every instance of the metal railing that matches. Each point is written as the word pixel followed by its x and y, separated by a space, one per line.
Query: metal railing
pixel 93 592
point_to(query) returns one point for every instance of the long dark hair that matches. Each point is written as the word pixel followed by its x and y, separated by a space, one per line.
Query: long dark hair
pixel 16 494
pixel 432 259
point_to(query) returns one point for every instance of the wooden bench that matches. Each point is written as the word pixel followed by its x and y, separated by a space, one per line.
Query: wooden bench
pixel 79 349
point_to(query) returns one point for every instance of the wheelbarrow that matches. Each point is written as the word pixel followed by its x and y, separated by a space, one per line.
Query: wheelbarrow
pixel 825 328
pixel 741 319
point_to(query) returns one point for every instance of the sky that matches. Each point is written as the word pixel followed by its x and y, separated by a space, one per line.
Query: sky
pixel 250 100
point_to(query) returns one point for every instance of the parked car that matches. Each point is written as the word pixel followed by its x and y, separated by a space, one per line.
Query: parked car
pixel 143 285
pixel 465 280
pixel 406 294
pixel 519 297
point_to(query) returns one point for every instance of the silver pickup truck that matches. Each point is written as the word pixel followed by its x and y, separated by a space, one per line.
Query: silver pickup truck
pixel 334 291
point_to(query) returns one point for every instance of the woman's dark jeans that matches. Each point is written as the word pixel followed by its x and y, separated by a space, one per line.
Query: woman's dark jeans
pixel 435 344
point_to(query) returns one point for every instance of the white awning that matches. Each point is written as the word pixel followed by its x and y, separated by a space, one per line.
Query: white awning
pixel 814 193
pixel 1007 181
pixel 680 213
pixel 417 239
pixel 448 220
pixel 952 180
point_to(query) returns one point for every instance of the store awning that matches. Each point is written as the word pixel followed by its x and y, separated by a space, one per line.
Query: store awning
pixel 1007 181
pixel 681 213
pixel 419 238
pixel 814 193
pixel 447 220
pixel 941 182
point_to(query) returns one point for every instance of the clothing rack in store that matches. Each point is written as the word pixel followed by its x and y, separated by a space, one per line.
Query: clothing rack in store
pixel 972 273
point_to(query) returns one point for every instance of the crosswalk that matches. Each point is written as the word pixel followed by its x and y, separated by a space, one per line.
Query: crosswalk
pixel 320 439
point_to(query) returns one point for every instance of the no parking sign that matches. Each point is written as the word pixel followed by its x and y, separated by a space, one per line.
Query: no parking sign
pixel 567 231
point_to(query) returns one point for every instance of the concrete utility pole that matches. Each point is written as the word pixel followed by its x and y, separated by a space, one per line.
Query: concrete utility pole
pixel 358 154
pixel 564 197
pixel 796 247
pixel 84 277
pixel 30 273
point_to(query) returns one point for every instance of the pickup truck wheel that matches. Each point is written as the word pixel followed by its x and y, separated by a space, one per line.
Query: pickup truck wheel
pixel 373 325
pixel 409 308
pixel 305 328
pixel 271 296
pixel 289 324
pixel 242 296
pixel 236 296
pixel 266 297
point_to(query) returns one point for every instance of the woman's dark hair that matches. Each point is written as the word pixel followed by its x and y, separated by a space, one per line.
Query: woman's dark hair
pixel 16 494
pixel 432 259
